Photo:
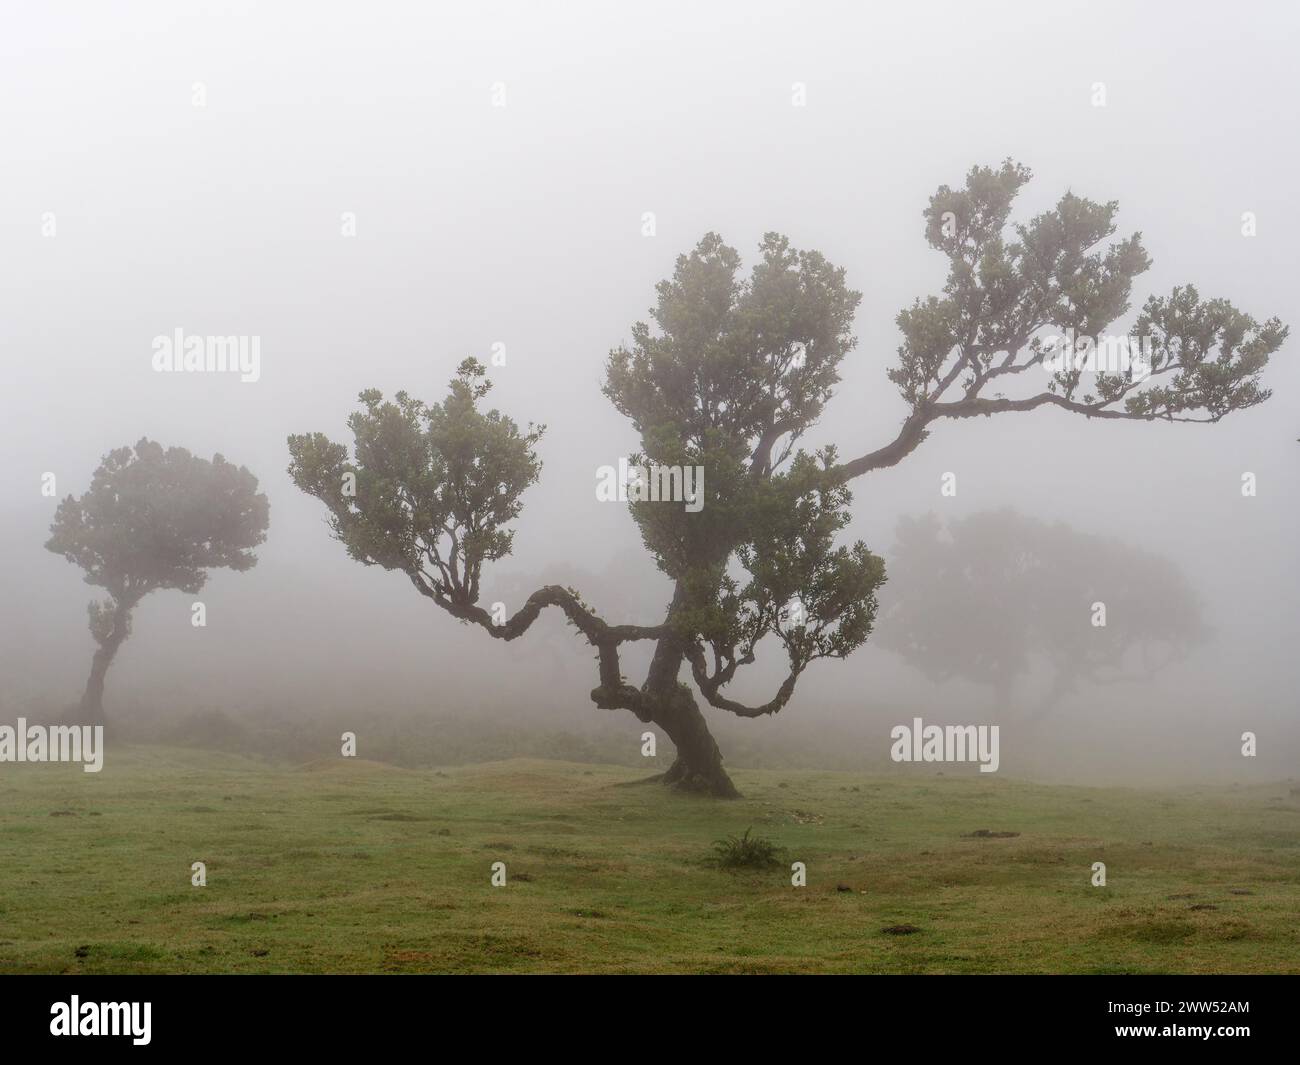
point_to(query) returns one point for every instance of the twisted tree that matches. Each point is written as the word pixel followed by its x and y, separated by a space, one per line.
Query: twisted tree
pixel 153 518
pixel 732 374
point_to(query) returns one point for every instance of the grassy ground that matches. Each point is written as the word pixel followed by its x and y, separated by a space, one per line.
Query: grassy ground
pixel 349 866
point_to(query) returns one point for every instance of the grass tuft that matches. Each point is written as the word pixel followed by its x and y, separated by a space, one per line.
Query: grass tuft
pixel 746 852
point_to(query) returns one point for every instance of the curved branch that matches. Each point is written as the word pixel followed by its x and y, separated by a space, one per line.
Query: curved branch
pixel 612 693
pixel 583 618
pixel 909 438
pixel 709 688
pixel 915 428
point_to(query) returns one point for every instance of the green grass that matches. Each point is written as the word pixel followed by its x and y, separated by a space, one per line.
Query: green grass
pixel 344 866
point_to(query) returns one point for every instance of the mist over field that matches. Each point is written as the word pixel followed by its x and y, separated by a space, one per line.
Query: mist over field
pixel 520 229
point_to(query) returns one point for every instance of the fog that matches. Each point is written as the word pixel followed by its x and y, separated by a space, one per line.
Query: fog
pixel 522 225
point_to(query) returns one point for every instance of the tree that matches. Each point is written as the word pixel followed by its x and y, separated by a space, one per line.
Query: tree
pixel 731 376
pixel 550 647
pixel 153 518
pixel 992 597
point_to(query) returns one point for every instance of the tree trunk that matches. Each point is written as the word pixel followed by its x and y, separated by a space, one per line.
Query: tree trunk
pixel 92 702
pixel 698 765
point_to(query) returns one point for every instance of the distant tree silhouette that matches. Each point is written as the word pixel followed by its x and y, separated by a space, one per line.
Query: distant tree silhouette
pixel 151 519
pixel 994 595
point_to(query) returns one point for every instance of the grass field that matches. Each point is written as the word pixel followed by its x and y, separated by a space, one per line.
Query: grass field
pixel 349 866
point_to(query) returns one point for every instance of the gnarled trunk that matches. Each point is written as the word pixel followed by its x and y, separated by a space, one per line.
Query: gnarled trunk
pixel 92 701
pixel 698 766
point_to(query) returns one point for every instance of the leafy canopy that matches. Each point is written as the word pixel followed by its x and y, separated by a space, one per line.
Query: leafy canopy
pixel 1010 284
pixel 737 370
pixel 160 518
pixel 430 489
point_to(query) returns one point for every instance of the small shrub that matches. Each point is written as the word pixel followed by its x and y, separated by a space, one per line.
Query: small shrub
pixel 746 852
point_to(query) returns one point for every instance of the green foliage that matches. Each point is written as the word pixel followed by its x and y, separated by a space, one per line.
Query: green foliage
pixel 1219 350
pixel 1011 283
pixel 746 852
pixel 735 374
pixel 735 357
pixel 103 618
pixel 818 599
pixel 429 490
pixel 737 368
pixel 156 518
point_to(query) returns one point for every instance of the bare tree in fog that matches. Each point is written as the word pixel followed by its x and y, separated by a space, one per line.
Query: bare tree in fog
pixel 997 595
pixel 153 518
pixel 734 372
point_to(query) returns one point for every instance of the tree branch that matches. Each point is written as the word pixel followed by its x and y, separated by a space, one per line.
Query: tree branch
pixel 709 688
pixel 613 693
pixel 915 428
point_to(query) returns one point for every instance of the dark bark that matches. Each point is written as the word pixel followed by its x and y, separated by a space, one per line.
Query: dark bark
pixel 91 711
pixel 698 766
pixel 661 700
